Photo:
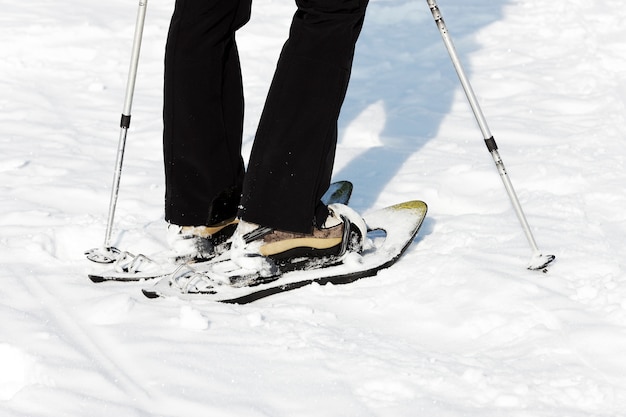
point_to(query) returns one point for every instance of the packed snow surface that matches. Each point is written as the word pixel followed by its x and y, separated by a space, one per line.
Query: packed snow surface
pixel 459 327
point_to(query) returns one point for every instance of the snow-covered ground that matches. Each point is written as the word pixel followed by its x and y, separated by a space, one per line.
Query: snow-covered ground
pixel 458 328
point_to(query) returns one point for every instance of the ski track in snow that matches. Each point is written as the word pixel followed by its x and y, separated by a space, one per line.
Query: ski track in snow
pixel 458 327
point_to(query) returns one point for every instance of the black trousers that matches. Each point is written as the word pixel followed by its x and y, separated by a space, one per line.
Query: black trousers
pixel 292 157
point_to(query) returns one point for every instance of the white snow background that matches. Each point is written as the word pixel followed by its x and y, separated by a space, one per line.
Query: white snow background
pixel 458 327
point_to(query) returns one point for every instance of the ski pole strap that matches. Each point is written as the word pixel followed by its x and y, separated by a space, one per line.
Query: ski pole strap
pixel 491 144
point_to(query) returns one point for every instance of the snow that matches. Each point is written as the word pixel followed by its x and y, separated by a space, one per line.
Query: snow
pixel 458 327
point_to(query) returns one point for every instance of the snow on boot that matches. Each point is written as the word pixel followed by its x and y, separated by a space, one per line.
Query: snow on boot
pixel 199 243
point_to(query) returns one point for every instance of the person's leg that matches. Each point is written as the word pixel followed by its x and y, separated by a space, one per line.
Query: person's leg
pixel 293 154
pixel 203 112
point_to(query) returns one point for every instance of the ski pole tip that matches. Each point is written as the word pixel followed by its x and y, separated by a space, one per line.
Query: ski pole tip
pixel 540 262
pixel 103 255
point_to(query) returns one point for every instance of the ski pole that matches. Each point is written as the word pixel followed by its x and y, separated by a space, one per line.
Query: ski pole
pixel 108 253
pixel 538 260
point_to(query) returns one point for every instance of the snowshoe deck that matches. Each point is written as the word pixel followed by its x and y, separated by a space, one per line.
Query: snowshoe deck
pixel 391 231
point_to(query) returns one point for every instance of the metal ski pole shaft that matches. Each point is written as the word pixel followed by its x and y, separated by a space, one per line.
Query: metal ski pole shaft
pixel 125 119
pixel 107 253
pixel 538 260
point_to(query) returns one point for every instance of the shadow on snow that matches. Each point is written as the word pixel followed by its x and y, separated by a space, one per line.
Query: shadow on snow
pixel 402 86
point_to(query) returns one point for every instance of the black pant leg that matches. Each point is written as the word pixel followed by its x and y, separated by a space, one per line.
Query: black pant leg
pixel 293 154
pixel 203 111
